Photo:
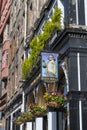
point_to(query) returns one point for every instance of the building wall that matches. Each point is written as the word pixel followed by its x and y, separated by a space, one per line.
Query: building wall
pixel 33 12
pixel 16 45
pixel 5 12
pixel 6 43
pixel 17 33
pixel 4 67
pixel 4 22
pixel 4 28
pixel 22 19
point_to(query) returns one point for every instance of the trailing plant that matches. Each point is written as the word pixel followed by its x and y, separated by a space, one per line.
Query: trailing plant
pixel 38 42
pixel 56 97
pixel 18 121
pixel 26 68
pixel 26 116
pixel 37 110
pixel 56 18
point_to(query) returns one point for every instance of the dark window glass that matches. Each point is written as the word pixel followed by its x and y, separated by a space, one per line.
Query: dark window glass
pixel 8 120
pixel 72 11
pixel 31 6
pixel 81 12
pixel 15 115
pixel 27 51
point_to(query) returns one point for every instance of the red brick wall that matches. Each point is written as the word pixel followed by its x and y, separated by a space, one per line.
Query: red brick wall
pixel 5 59
pixel 4 13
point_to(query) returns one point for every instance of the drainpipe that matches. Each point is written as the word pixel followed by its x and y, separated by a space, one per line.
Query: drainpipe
pixel 23 102
pixel 25 32
pixel 23 107
pixel 25 25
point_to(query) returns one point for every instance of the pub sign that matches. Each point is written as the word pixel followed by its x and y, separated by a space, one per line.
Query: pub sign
pixel 49 66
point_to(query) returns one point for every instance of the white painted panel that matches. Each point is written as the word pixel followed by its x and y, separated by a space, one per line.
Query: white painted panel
pixel 61 6
pixel 79 88
pixel 52 121
pixel 39 123
pixel 80 114
pixel 85 3
pixel 78 68
pixel 29 126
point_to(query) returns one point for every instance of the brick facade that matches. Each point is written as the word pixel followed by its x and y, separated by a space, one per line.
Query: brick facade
pixel 5 12
pixel 4 41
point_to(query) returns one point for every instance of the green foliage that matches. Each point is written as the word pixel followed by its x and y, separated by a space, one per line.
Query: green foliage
pixel 55 96
pixel 38 42
pixel 48 27
pixel 26 116
pixel 26 67
pixel 18 121
pixel 57 15
pixel 37 110
pixel 35 107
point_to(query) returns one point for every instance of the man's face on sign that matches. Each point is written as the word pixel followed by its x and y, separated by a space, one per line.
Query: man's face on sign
pixel 51 57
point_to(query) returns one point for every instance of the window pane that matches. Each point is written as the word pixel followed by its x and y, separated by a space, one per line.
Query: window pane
pixel 72 11
pixel 81 12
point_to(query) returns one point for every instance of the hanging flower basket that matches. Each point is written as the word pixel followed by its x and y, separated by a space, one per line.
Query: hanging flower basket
pixel 54 99
pixel 53 104
pixel 37 110
pixel 37 113
pixel 24 117
pixel 18 121
pixel 27 116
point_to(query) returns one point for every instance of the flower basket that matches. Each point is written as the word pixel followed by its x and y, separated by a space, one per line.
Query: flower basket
pixel 37 110
pixel 27 116
pixel 54 99
pixel 37 113
pixel 18 121
pixel 24 117
pixel 53 104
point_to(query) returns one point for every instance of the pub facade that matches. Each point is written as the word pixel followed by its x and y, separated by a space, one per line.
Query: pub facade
pixel 68 48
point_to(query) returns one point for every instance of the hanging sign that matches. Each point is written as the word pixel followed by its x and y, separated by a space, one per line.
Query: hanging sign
pixel 49 66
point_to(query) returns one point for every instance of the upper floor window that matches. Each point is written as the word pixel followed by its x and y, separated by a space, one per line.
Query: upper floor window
pixel 31 6
pixel 27 52
pixel 75 12
pixel 5 59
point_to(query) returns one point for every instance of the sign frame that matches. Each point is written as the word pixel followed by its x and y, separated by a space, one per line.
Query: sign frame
pixel 49 66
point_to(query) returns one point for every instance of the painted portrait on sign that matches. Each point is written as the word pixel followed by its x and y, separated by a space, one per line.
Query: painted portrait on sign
pixel 49 67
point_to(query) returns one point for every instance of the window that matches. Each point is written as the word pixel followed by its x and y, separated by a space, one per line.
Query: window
pixel 8 120
pixel 31 7
pixel 22 59
pixel 13 83
pixel 15 115
pixel 16 77
pixel 27 52
pixel 75 12
pixel 7 58
pixel 81 12
pixel 6 35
